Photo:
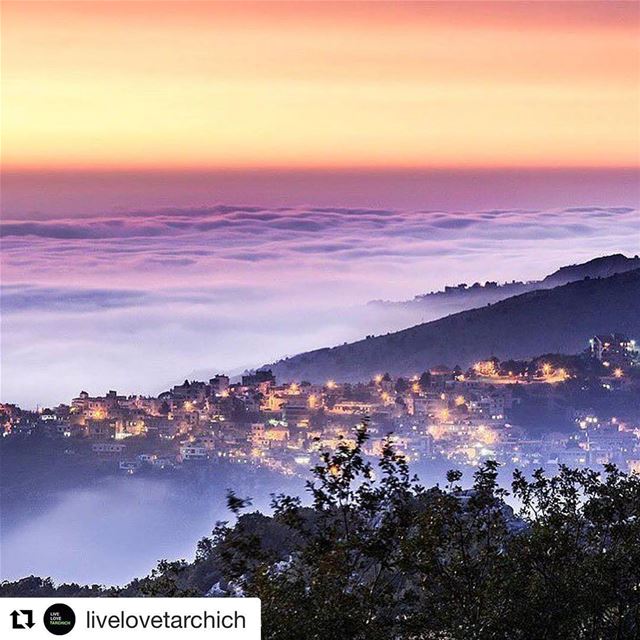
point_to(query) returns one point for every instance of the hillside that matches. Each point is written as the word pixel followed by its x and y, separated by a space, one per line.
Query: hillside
pixel 602 267
pixel 455 298
pixel 548 320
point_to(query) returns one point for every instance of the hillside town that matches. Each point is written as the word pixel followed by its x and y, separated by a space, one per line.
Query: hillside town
pixel 576 410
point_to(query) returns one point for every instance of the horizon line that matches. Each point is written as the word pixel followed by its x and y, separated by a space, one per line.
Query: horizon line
pixel 337 169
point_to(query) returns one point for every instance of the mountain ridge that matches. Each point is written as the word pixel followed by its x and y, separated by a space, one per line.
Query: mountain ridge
pixel 560 319
pixel 463 296
pixel 600 267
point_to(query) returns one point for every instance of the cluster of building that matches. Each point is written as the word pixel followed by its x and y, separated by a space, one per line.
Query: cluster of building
pixel 441 414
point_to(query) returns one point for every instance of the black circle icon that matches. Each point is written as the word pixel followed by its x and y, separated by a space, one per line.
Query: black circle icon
pixel 59 619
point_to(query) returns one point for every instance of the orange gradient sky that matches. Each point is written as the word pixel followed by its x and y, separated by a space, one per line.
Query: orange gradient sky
pixel 184 85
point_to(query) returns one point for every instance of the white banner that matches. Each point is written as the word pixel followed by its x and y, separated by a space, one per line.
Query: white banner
pixel 38 618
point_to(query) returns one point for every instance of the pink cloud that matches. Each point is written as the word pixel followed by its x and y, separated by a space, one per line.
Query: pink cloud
pixel 229 286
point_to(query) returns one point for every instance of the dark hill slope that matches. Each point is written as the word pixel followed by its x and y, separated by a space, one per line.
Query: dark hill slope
pixel 552 320
pixel 602 267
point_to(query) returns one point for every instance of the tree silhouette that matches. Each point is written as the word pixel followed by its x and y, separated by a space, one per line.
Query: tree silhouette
pixel 378 556
pixel 375 555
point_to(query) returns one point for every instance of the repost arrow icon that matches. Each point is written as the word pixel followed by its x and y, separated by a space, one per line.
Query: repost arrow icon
pixel 14 620
pixel 30 623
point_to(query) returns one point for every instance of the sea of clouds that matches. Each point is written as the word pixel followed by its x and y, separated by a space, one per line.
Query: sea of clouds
pixel 139 299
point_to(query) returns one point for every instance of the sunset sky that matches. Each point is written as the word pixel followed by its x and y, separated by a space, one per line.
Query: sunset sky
pixel 200 186
pixel 123 85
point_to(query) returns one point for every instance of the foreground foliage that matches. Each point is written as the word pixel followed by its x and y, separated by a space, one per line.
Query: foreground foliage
pixel 387 558
pixel 378 556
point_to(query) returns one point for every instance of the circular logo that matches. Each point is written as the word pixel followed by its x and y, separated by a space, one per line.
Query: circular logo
pixel 59 619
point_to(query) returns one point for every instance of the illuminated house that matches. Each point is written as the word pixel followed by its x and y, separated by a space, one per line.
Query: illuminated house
pixel 190 452
pixel 348 407
pixel 297 409
pixel 189 391
pixel 219 384
pixel 613 349
pixel 108 447
pixel 98 407
pixel 429 403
